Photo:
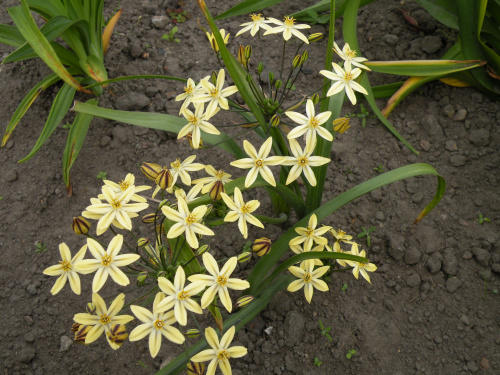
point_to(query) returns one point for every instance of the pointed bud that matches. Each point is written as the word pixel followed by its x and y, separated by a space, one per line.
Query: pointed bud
pixel 150 170
pixel 203 249
pixel 141 242
pixel 148 219
pixel 315 98
pixel 278 84
pixel 271 77
pixel 241 55
pixel 141 277
pixel 261 246
pixel 213 77
pixel 210 207
pixel 243 301
pixel 297 61
pixel 75 327
pixel 189 137
pixel 195 368
pixel 161 274
pixel 315 37
pixel 117 335
pixel 164 179
pixel 305 56
pixel 216 190
pixel 81 333
pixel 260 68
pixel 248 52
pixel 192 333
pixel 244 257
pixel 275 120
pixel 90 308
pixel 80 225
pixel 340 125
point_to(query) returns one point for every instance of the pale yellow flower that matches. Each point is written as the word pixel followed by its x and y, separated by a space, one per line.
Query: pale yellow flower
pixel 106 263
pixel 117 211
pixel 310 125
pixel 123 185
pixel 215 95
pixel 179 296
pixel 349 57
pixel 362 268
pixel 66 270
pixel 288 28
pixel 344 80
pixel 190 91
pixel 181 169
pixel 197 123
pixel 254 25
pixel 216 176
pixel 187 221
pixel 298 249
pixel 213 42
pixel 191 195
pixel 155 324
pixel 310 235
pixel 219 281
pixel 258 162
pixel 220 352
pixel 340 235
pixel 302 162
pixel 241 211
pixel 308 278
pixel 104 319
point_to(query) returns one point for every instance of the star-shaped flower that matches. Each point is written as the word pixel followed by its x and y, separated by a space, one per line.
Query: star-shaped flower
pixel 215 95
pixel 104 320
pixel 308 278
pixel 197 123
pixel 258 162
pixel 288 28
pixel 310 124
pixel 220 352
pixel 302 162
pixel 106 263
pixel 123 185
pixel 219 281
pixel 191 195
pixel 349 57
pixel 179 296
pixel 254 25
pixel 344 80
pixel 340 235
pixel 215 177
pixel 310 234
pixel 298 249
pixel 213 41
pixel 187 221
pixel 116 211
pixel 181 169
pixel 66 270
pixel 362 268
pixel 190 91
pixel 241 211
pixel 156 325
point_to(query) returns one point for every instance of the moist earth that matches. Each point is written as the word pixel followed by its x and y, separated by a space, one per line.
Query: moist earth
pixel 433 305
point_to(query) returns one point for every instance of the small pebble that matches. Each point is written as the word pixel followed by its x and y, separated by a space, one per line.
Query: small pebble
pixel 449 110
pixel 426 145
pixel 452 284
pixel 10 176
pixel 460 115
pixel 66 343
pixel 451 145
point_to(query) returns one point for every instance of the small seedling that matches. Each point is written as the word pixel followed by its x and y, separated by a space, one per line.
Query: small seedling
pixel 67 125
pixel 483 219
pixel 171 35
pixel 40 247
pixel 379 169
pixel 366 233
pixel 178 15
pixel 350 354
pixel 317 362
pixel 1 198
pixel 102 175
pixel 247 246
pixel 325 330
pixel 344 287
pixel 148 45
pixel 363 115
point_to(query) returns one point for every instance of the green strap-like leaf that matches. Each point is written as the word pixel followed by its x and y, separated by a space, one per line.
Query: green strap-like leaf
pixel 11 36
pixel 246 7
pixel 384 91
pixel 74 144
pixel 60 107
pixel 324 5
pixel 421 68
pixel 145 76
pixel 445 11
pixel 157 121
pixel 48 9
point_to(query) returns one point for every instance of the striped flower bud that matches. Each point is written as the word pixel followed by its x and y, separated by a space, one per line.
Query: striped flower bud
pixel 164 179
pixel 297 61
pixel 243 301
pixel 117 335
pixel 141 242
pixel 315 98
pixel 261 246
pixel 90 308
pixel 216 190
pixel 203 249
pixel 141 277
pixel 80 225
pixel 192 333
pixel 244 257
pixel 195 368
pixel 340 125
pixel 305 56
pixel 148 219
pixel 81 333
pixel 315 37
pixel 189 137
pixel 241 55
pixel 248 52
pixel 150 170
pixel 213 77
pixel 161 274
pixel 275 120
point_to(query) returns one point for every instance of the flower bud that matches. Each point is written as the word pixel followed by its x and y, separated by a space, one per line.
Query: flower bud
pixel 315 37
pixel 216 190
pixel 161 274
pixel 90 308
pixel 261 246
pixel 203 249
pixel 275 120
pixel 241 55
pixel 141 242
pixel 213 77
pixel 164 179
pixel 210 207
pixel 192 333
pixel 148 219
pixel 80 225
pixel 195 368
pixel 315 98
pixel 117 335
pixel 189 137
pixel 150 170
pixel 260 68
pixel 141 277
pixel 278 84
pixel 340 125
pixel 243 301
pixel 163 203
pixel 81 333
pixel 244 257
pixel 297 61
pixel 271 77
pixel 305 56
pixel 248 52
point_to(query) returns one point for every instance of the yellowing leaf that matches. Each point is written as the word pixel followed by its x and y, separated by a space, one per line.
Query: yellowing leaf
pixel 455 82
pixel 108 31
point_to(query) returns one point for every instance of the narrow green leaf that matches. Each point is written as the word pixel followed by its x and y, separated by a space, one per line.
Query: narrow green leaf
pixel 185 252
pixel 157 121
pixel 11 36
pixel 384 91
pixel 74 144
pixel 323 6
pixel 48 9
pixel 246 7
pixel 26 103
pixel 445 11
pixel 60 107
pixel 421 68
pixel 145 76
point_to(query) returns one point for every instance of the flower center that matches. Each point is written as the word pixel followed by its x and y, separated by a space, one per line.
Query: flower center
pixel 106 260
pixel 183 295
pixel 65 265
pixel 214 92
pixel 116 204
pixel 177 163
pixel 259 162
pixel 245 209
pixel 158 324
pixel 313 123
pixel 256 17
pixel 348 76
pixel 191 219
pixel 303 161
pixel 309 231
pixel 289 21
pixel 193 119
pixel 307 277
pixel 223 355
pixel 188 89
pixel 105 319
pixel 222 280
pixel 351 54
pixel 219 174
pixel 123 185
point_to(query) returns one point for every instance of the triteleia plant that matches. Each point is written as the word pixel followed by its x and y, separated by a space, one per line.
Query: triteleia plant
pixel 172 261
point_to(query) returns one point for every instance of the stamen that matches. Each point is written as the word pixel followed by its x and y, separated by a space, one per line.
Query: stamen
pixel 191 219
pixel 259 162
pixel 65 265
pixel 105 319
pixel 222 280
pixel 106 260
pixel 307 277
pixel 183 295
pixel 158 324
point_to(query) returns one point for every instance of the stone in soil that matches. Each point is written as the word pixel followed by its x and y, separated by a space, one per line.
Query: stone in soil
pixel 396 245
pixel 132 101
pixel 480 137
